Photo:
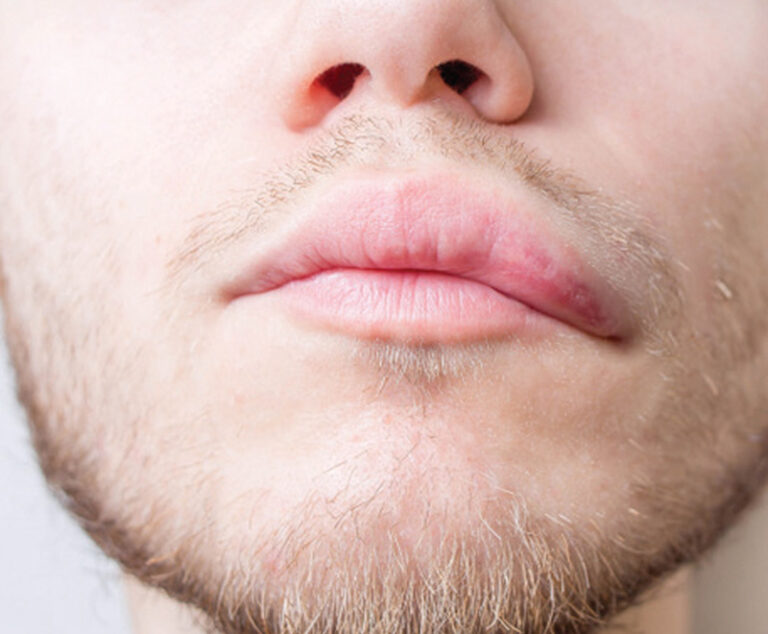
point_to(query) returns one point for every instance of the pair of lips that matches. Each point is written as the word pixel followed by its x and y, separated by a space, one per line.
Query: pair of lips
pixel 427 259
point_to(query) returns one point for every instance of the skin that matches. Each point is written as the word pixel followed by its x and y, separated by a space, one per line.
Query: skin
pixel 279 476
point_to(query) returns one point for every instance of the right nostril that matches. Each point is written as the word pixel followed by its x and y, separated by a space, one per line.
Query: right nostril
pixel 339 80
pixel 459 75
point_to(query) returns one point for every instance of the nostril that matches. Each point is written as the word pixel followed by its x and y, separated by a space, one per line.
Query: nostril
pixel 339 80
pixel 459 75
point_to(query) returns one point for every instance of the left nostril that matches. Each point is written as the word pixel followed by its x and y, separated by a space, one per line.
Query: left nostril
pixel 339 80
pixel 459 75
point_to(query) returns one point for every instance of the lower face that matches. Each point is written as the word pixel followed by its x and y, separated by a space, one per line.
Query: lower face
pixel 281 463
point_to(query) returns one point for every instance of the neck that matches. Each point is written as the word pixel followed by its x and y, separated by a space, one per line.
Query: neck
pixel 153 612
pixel 668 611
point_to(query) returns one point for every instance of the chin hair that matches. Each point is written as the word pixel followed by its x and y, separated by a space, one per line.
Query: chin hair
pixel 421 364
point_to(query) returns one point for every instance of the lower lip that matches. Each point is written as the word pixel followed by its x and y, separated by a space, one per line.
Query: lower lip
pixel 416 306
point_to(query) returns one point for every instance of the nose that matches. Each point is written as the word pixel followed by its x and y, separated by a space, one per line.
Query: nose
pixel 402 52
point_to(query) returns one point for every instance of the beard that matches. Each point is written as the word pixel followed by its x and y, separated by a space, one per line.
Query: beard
pixel 442 488
pixel 405 537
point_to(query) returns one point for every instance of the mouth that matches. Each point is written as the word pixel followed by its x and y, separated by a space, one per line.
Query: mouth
pixel 429 259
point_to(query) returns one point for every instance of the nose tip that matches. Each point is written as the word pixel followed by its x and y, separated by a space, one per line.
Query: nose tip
pixel 459 51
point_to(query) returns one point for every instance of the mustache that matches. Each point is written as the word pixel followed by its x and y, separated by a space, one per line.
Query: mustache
pixel 610 231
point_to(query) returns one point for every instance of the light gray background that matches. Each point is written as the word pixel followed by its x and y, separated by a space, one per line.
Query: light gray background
pixel 54 581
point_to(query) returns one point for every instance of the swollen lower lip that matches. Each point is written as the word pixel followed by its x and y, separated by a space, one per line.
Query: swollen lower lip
pixel 406 305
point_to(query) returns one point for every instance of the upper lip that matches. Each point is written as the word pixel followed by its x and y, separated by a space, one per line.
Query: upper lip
pixel 438 224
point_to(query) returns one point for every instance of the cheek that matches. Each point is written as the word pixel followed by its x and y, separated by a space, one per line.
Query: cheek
pixel 674 104
pixel 110 139
pixel 673 120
